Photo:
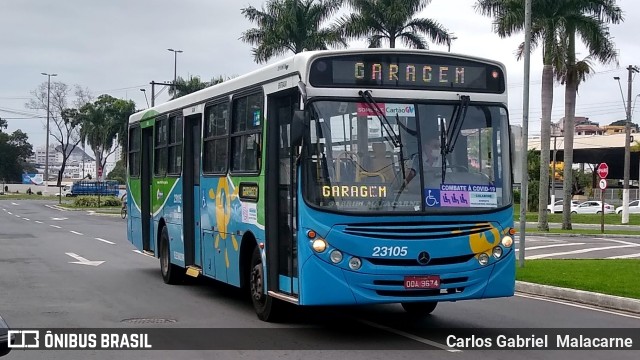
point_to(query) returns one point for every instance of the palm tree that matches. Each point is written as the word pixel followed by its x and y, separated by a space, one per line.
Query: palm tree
pixel 551 20
pixel 587 18
pixel 392 20
pixel 184 87
pixel 291 25
pixel 509 19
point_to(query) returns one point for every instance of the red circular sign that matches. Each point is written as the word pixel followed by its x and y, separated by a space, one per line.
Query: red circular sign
pixel 603 170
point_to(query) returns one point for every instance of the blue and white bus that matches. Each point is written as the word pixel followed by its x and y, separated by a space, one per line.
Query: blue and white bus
pixel 333 178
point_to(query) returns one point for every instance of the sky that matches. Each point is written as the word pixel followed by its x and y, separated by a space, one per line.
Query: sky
pixel 118 47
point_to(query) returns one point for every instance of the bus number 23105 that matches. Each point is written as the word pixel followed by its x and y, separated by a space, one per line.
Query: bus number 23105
pixel 381 251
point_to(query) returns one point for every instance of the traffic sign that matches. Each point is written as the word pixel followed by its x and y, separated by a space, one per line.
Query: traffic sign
pixel 602 184
pixel 603 170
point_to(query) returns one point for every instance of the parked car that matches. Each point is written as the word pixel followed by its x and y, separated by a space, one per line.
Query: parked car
pixel 592 207
pixel 634 207
pixel 557 206
pixel 4 338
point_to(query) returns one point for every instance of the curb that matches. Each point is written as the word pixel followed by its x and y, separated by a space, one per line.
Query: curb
pixel 580 296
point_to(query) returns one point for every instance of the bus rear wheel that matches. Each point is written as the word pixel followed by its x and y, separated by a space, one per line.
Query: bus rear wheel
pixel 267 308
pixel 424 308
pixel 170 272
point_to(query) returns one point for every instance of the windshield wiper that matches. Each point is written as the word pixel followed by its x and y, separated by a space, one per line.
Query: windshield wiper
pixel 449 135
pixel 373 105
pixel 395 138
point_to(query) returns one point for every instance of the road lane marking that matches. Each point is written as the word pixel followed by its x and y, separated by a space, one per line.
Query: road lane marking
pixel 75 232
pixel 16 215
pixel 550 246
pixel 581 251
pixel 105 241
pixel 14 203
pixel 59 219
pixel 26 219
pixel 3 209
pixel 410 336
pixel 39 222
pixel 580 306
pixel 55 208
pixel 83 261
pixel 630 256
pixel 619 241
pixel 56 226
pixel 141 253
pixel 9 212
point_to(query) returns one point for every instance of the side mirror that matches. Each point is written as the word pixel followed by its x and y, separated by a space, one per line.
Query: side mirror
pixel 298 127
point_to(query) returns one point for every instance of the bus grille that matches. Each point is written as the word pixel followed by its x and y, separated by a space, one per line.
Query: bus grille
pixel 414 262
pixel 415 230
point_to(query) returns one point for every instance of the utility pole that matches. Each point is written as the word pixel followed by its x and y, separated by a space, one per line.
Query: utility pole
pixel 525 130
pixel 627 149
pixel 46 159
pixel 153 91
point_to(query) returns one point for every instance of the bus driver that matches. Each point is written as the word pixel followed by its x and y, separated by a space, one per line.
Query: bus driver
pixel 431 157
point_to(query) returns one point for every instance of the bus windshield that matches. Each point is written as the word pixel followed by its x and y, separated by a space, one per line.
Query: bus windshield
pixel 358 161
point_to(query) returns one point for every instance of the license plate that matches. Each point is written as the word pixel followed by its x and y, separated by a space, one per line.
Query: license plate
pixel 422 282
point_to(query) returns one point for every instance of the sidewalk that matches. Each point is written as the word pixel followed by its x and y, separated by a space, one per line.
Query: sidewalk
pixel 580 296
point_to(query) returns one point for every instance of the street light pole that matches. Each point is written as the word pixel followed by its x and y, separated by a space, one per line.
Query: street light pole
pixel 627 145
pixel 450 41
pixel 145 96
pixel 175 66
pixel 46 159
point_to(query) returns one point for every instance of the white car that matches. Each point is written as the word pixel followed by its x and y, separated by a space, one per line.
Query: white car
pixel 592 207
pixel 557 206
pixel 634 207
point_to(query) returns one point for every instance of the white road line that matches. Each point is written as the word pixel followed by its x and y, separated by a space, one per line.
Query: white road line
pixel 39 222
pixel 630 256
pixel 619 241
pixel 550 246
pixel 75 232
pixel 141 253
pixel 16 215
pixel 55 208
pixel 581 251
pixel 580 306
pixel 26 219
pixel 3 209
pixel 105 241
pixel 9 212
pixel 56 226
pixel 410 336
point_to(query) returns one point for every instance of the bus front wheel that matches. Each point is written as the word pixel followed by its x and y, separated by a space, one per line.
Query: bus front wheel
pixel 267 308
pixel 170 272
pixel 424 308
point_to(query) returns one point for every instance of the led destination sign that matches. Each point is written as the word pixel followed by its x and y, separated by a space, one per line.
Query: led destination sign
pixel 407 71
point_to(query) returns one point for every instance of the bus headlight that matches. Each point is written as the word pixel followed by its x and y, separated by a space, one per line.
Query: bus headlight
pixel 483 259
pixel 355 263
pixel 336 256
pixel 319 245
pixel 497 252
pixel 507 241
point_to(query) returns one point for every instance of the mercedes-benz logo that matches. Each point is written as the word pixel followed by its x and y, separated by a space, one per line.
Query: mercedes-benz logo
pixel 424 258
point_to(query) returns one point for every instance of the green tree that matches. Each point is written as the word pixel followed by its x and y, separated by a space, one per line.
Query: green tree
pixel 104 121
pixel 392 20
pixel 119 172
pixel 14 151
pixel 291 25
pixel 184 87
pixel 554 24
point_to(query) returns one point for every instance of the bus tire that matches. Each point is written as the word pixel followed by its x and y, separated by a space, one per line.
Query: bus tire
pixel 267 308
pixel 423 308
pixel 170 272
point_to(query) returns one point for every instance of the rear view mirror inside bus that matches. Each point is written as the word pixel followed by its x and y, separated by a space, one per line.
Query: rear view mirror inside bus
pixel 298 126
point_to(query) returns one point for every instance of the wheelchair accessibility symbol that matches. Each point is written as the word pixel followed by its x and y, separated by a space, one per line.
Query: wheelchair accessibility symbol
pixel 431 198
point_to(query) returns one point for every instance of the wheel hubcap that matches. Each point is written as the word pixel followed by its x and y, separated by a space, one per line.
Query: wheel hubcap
pixel 256 282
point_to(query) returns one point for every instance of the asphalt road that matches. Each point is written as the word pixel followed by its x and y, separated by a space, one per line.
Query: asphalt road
pixel 41 287
pixel 580 247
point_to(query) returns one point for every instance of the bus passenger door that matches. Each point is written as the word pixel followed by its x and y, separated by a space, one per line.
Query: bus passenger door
pixel 145 187
pixel 281 205
pixel 191 196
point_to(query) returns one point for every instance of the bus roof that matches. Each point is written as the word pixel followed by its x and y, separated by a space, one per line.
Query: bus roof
pixel 296 64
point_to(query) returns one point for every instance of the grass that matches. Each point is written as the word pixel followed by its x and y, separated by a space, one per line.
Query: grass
pixel 613 277
pixel 585 231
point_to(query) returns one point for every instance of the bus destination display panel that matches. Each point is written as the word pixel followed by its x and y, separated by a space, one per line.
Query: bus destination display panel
pixel 415 72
